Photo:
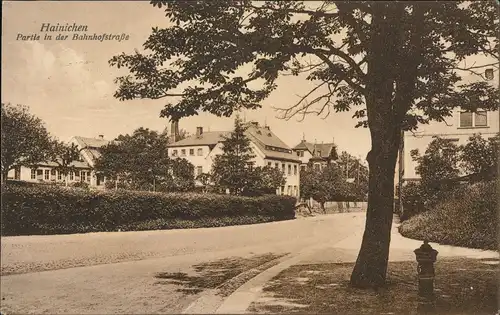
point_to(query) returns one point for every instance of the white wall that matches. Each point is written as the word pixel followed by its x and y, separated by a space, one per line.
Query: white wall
pixel 207 159
pixel 450 130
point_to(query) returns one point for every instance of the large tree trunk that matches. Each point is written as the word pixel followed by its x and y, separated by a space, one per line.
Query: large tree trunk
pixel 384 121
pixel 371 266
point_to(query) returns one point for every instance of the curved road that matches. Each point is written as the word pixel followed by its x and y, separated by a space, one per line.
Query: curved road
pixel 151 271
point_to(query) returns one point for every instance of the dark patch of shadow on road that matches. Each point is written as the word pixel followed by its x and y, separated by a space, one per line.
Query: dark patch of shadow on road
pixel 213 274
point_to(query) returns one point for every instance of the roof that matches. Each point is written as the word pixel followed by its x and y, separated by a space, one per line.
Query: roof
pixel 324 148
pixel 206 138
pixel 91 146
pixel 91 142
pixel 272 146
pixel 77 164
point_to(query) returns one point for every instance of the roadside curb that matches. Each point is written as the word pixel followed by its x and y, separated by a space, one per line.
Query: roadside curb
pixel 212 299
pixel 240 300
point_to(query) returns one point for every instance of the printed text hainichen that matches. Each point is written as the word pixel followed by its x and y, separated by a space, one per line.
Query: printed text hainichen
pixel 47 27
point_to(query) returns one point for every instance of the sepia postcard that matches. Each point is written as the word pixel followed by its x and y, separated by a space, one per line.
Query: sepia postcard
pixel 239 156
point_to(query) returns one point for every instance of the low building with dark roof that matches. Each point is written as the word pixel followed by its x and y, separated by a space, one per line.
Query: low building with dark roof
pixel 202 148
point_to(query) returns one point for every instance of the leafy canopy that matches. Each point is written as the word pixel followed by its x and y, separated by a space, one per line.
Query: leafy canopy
pixel 225 55
pixel 232 169
pixel 25 140
pixel 141 159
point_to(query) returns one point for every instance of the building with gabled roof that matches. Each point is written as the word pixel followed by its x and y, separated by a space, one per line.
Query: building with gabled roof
pixel 319 154
pixel 201 149
pixel 47 172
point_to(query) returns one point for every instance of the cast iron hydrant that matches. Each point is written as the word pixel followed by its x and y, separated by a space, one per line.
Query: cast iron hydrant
pixel 426 257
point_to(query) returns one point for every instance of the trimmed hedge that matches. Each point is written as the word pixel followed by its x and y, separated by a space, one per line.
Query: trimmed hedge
pixel 468 218
pixel 58 210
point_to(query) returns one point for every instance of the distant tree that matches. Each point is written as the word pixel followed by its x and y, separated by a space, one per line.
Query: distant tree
pixel 353 169
pixel 25 140
pixel 264 180
pixel 440 161
pixel 327 184
pixel 64 155
pixel 140 159
pixel 182 175
pixel 480 156
pixel 233 168
pixel 205 180
pixel 437 168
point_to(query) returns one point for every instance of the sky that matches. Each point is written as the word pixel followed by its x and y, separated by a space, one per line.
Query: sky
pixel 70 86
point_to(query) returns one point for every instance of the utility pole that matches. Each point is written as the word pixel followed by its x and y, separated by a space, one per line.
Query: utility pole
pixel 401 170
pixel 359 165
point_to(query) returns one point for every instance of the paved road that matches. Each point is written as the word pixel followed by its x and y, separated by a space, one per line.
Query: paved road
pixel 101 273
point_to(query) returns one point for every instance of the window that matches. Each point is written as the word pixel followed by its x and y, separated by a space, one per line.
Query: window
pixel 191 152
pixel 53 172
pixel 276 164
pixel 200 152
pixel 199 170
pixel 470 120
pixel 289 190
pixel 269 164
pixel 317 166
pixel 88 177
pixel 33 173
pixel 318 153
pixel 174 152
pixel 282 190
pixel 183 152
pixel 59 175
pixel 289 169
pixel 295 191
pixel 481 119
pixel 39 174
pixel 295 170
pixel 83 175
pixel 71 175
pixel 283 168
pixel 465 119
pixel 47 175
pixel 302 168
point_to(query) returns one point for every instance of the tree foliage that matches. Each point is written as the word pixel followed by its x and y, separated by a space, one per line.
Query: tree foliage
pixel 265 180
pixel 25 140
pixel 142 161
pixel 440 161
pixel 394 64
pixel 64 155
pixel 480 156
pixel 232 169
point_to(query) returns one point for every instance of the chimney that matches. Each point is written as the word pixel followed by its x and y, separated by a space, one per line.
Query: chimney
pixel 199 131
pixel 174 130
pixel 101 137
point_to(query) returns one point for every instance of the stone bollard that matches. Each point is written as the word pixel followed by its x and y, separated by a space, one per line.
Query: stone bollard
pixel 426 257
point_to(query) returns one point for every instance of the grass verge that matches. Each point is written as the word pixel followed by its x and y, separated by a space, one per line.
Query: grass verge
pixel 463 286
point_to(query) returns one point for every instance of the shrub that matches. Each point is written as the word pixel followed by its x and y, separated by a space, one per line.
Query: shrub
pixel 55 210
pixel 467 217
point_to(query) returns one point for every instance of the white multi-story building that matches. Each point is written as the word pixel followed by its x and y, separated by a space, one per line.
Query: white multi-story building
pixel 458 128
pixel 202 148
